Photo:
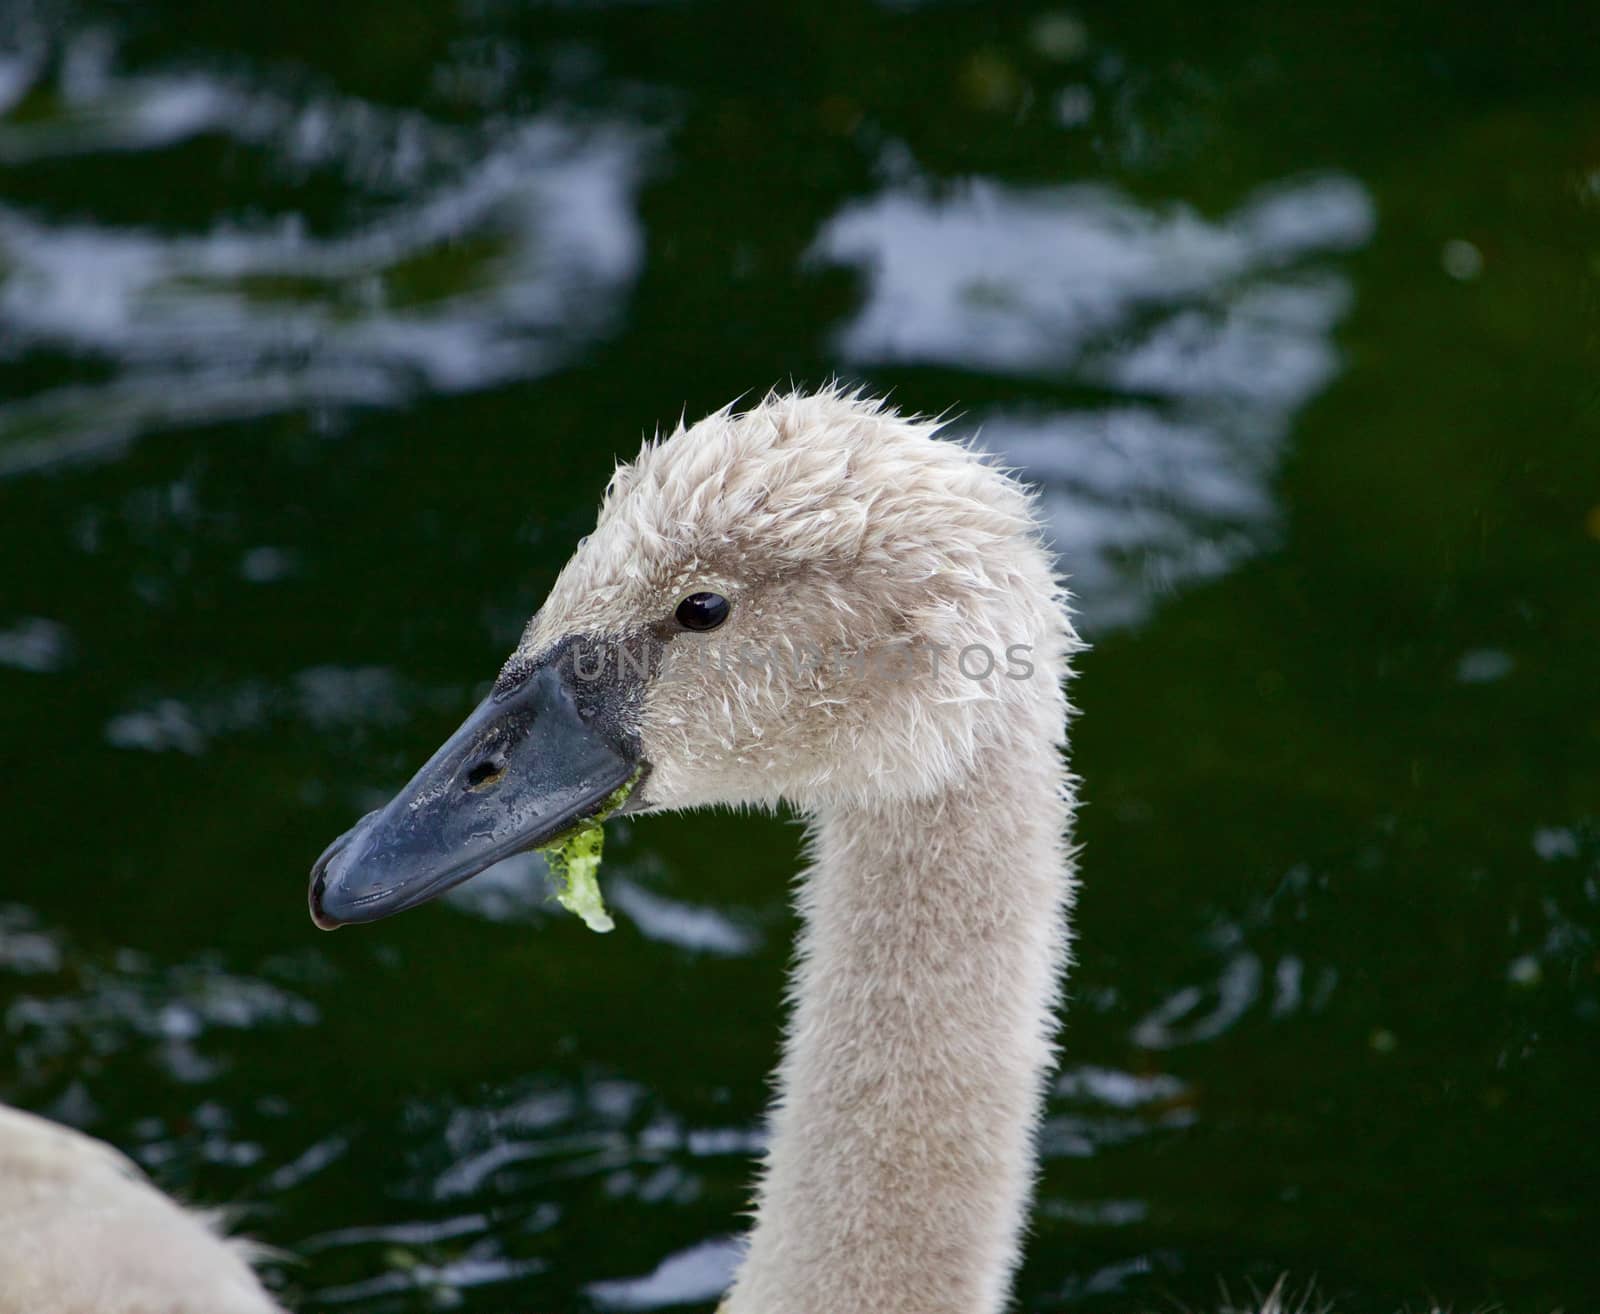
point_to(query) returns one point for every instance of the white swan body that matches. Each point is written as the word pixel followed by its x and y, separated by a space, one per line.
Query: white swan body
pixel 83 1232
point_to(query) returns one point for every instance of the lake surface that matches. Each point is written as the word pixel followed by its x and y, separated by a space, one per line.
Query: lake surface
pixel 321 328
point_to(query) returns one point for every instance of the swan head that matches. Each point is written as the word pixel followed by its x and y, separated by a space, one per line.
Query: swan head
pixel 813 601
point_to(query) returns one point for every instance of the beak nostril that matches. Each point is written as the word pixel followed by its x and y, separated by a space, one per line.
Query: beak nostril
pixel 485 774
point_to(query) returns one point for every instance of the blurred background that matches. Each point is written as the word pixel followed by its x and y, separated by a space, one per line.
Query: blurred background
pixel 321 327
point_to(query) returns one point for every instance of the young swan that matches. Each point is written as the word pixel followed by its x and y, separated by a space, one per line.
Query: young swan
pixel 815 601
pixel 82 1232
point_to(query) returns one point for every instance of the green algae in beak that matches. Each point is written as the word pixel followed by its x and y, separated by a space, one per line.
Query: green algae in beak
pixel 575 863
pixel 575 867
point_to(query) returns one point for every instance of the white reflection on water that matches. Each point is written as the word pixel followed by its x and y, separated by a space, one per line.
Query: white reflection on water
pixel 1094 1108
pixel 517 890
pixel 693 1276
pixel 327 698
pixel 697 927
pixel 522 1138
pixel 1021 281
pixel 503 1153
pixel 1203 337
pixel 1192 1014
pixel 60 1004
pixel 480 1267
pixel 1118 1090
pixel 1137 502
pixel 35 644
pixel 513 891
pixel 495 253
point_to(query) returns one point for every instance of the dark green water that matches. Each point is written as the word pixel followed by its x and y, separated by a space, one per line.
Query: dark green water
pixel 320 328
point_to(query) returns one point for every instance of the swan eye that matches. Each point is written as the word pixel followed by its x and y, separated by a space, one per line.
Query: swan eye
pixel 703 611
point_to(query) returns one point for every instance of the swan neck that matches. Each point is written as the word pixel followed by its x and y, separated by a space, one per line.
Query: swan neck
pixel 902 1151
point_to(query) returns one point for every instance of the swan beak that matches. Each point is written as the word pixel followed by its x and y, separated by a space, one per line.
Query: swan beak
pixel 528 764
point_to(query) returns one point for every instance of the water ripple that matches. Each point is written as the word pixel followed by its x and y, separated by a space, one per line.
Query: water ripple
pixel 495 252
pixel 1205 337
pixel 699 1274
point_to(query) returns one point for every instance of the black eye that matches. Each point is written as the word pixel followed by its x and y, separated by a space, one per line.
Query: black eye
pixel 702 611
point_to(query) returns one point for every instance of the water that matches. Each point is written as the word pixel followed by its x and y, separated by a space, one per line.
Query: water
pixel 319 334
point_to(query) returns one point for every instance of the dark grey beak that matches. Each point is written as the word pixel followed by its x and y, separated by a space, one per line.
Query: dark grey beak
pixel 530 763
